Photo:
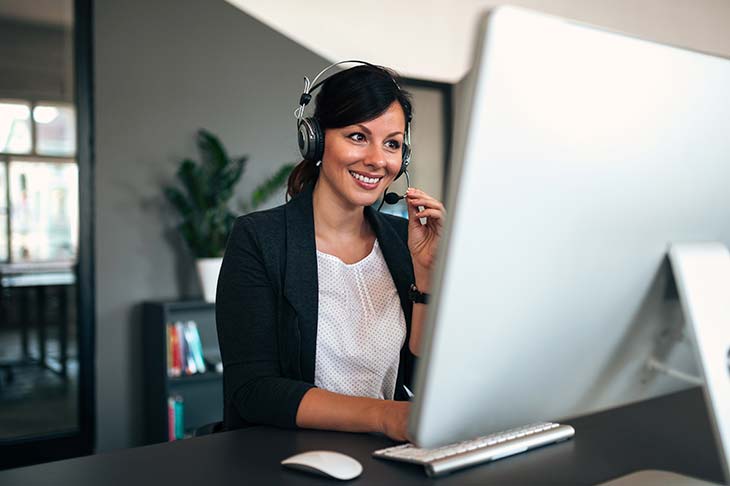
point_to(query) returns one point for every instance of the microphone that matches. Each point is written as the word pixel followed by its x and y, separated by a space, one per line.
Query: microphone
pixel 392 198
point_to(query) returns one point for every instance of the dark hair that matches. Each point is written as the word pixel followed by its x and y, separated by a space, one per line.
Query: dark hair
pixel 352 96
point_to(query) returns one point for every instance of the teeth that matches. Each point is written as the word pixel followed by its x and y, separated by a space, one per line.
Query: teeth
pixel 365 179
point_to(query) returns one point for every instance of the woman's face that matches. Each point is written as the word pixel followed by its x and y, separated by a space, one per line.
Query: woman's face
pixel 361 160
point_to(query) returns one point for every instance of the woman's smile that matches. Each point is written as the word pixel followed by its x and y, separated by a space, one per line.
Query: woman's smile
pixel 365 180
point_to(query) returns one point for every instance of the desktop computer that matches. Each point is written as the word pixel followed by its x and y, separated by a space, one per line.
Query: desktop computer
pixel 583 155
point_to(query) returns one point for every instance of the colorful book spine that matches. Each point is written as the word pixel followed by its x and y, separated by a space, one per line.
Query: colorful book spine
pixel 179 418
pixel 169 347
pixel 174 356
pixel 191 364
pixel 170 418
pixel 197 346
pixel 184 349
pixel 181 348
pixel 175 418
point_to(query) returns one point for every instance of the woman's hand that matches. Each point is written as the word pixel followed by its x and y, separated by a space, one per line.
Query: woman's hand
pixel 394 419
pixel 423 239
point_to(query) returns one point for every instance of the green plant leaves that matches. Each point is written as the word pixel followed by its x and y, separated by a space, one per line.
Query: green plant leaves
pixel 266 189
pixel 207 188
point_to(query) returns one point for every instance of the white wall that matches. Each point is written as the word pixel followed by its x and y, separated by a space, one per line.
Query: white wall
pixel 433 39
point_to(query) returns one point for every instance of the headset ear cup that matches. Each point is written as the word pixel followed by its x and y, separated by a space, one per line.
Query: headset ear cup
pixel 310 139
pixel 318 148
pixel 304 138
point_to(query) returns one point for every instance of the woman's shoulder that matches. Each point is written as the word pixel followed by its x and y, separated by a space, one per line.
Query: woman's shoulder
pixel 264 217
pixel 263 225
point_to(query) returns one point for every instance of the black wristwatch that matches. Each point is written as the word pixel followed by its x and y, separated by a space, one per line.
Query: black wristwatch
pixel 417 296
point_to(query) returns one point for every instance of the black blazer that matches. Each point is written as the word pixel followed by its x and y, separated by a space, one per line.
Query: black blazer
pixel 266 309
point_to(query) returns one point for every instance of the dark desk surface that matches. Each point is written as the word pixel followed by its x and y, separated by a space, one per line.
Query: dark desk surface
pixel 671 433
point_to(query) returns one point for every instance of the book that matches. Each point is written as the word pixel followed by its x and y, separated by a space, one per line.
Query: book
pixel 185 354
pixel 174 355
pixel 181 350
pixel 179 417
pixel 197 346
pixel 169 347
pixel 170 418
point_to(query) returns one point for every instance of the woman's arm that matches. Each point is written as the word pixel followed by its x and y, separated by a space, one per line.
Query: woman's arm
pixel 246 319
pixel 423 282
pixel 322 409
pixel 423 243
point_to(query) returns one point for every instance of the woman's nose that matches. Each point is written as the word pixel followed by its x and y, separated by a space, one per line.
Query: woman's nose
pixel 376 156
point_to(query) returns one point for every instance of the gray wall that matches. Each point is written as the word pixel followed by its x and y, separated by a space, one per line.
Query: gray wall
pixel 163 69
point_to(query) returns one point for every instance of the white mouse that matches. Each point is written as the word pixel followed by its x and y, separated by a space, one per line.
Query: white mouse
pixel 327 463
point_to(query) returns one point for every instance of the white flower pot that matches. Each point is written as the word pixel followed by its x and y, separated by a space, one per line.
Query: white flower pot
pixel 208 270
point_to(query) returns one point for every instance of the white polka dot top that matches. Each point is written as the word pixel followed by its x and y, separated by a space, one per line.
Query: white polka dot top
pixel 361 327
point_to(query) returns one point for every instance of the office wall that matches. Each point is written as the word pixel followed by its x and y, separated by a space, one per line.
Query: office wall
pixel 162 70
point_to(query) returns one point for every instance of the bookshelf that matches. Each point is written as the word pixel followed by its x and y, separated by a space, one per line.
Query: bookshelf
pixel 201 394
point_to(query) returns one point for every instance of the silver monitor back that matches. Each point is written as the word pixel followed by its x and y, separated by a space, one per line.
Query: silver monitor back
pixel 584 154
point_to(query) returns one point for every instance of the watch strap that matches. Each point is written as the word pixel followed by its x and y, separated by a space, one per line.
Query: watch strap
pixel 417 296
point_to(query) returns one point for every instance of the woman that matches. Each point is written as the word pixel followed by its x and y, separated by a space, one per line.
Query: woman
pixel 313 312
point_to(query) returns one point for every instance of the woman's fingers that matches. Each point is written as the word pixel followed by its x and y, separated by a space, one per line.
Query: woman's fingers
pixel 430 213
pixel 420 198
pixel 427 203
pixel 421 206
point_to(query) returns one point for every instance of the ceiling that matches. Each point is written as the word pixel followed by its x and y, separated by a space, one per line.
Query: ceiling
pixel 46 12
pixel 433 39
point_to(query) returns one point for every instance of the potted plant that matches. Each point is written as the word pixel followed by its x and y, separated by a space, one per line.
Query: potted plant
pixel 203 204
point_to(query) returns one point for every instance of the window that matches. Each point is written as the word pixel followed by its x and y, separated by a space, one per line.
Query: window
pixel 39 214
pixel 3 214
pixel 15 127
pixel 55 129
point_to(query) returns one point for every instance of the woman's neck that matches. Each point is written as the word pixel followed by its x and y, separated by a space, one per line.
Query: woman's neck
pixel 335 218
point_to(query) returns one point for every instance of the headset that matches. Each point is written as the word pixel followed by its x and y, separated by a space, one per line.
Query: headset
pixel 310 135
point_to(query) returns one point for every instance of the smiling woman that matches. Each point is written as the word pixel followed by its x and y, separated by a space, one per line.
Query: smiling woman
pixel 363 158
pixel 315 319
pixel 349 105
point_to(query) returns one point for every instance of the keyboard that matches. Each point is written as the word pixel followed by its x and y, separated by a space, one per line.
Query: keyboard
pixel 482 449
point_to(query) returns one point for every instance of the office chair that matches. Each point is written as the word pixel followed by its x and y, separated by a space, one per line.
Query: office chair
pixel 208 429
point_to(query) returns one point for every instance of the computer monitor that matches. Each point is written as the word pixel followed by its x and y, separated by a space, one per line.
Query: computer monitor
pixel 582 156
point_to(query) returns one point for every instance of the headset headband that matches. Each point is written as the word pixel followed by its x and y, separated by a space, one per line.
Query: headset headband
pixel 310 86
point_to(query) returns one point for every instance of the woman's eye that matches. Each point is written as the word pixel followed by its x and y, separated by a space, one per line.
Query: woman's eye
pixel 393 144
pixel 357 137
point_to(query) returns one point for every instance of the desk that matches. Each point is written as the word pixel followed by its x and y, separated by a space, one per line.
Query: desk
pixel 671 433
pixel 39 278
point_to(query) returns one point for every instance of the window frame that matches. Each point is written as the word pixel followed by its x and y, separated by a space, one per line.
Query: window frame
pixel 81 440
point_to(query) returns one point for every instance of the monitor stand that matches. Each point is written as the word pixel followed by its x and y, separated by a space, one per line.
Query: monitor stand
pixel 702 275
